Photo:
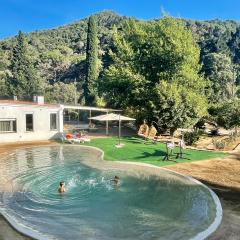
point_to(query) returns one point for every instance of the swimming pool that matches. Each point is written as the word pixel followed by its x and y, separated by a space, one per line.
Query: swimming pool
pixel 148 204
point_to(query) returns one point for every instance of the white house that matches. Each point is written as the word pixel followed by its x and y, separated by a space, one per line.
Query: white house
pixel 33 121
pixel 30 121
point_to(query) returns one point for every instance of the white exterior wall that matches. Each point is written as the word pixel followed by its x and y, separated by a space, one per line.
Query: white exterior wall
pixel 41 122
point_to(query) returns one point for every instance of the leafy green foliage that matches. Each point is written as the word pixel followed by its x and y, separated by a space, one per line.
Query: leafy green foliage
pixel 155 73
pixel 24 80
pixel 92 68
pixel 191 137
pixel 219 70
pixel 227 114
pixel 61 93
pixel 59 55
pixel 4 73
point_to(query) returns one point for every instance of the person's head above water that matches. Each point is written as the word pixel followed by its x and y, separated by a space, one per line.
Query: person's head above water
pixel 116 179
pixel 61 188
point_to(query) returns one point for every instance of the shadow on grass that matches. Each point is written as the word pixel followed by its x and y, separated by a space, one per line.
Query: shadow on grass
pixel 156 153
pixel 133 139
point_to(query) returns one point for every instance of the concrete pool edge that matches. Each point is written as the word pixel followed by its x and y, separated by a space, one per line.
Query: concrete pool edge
pixel 34 234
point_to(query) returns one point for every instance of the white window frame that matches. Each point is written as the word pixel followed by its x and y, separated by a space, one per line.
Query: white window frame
pixel 11 120
pixel 56 121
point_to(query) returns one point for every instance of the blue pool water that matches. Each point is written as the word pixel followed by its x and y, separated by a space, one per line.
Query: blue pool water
pixel 144 206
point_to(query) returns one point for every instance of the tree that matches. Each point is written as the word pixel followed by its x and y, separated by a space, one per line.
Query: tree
pixel 61 93
pixel 4 73
pixel 91 63
pixel 24 81
pixel 53 64
pixel 227 114
pixel 234 45
pixel 155 73
pixel 219 70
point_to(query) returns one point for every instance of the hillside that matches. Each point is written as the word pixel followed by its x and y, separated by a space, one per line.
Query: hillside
pixel 60 52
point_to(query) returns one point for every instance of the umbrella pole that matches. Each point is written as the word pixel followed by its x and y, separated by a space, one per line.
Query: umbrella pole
pixel 107 126
pixel 119 125
pixel 119 130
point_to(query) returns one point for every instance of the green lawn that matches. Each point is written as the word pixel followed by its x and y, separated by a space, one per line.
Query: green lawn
pixel 136 151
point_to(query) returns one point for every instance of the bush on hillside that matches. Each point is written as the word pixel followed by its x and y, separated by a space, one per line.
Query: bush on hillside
pixel 191 137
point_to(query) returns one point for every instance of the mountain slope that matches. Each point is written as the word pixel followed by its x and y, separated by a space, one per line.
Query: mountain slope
pixel 60 52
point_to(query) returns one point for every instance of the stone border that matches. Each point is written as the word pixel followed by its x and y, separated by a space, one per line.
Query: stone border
pixel 202 235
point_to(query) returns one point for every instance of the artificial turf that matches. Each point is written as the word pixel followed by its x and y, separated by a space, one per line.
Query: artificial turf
pixel 135 150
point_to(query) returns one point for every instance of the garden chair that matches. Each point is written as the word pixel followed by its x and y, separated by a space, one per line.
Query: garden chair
pixel 143 130
pixel 151 135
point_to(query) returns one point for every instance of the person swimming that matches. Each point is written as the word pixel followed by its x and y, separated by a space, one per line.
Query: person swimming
pixel 116 180
pixel 61 188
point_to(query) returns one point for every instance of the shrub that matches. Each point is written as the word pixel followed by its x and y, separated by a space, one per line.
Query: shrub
pixel 191 137
pixel 219 144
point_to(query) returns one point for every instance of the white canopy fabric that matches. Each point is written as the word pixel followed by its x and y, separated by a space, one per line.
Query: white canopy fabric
pixel 112 117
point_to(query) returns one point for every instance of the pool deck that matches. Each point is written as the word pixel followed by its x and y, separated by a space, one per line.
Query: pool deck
pixel 220 174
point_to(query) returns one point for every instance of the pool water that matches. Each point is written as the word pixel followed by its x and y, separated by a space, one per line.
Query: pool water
pixel 143 206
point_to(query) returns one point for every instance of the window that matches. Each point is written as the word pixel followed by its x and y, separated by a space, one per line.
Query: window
pixel 53 121
pixel 29 122
pixel 8 125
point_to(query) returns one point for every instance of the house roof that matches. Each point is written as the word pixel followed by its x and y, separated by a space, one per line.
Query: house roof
pixel 63 106
pixel 26 103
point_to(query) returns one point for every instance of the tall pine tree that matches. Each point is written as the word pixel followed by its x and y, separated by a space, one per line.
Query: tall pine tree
pixel 92 70
pixel 24 81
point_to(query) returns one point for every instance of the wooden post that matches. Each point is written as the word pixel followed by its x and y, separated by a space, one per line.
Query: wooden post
pixel 119 130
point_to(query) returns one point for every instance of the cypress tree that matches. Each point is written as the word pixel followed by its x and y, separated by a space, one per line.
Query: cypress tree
pixel 24 81
pixel 90 92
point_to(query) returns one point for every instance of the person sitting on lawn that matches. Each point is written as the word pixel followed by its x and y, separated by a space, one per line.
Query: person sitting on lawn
pixel 143 129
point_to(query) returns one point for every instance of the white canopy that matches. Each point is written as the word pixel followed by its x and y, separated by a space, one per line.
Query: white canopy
pixel 112 117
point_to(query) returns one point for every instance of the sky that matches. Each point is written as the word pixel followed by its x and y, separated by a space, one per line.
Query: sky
pixel 30 15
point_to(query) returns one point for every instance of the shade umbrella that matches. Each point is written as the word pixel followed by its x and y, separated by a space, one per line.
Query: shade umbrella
pixel 113 117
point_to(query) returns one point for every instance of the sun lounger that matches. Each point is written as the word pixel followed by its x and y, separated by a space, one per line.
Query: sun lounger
pixel 67 137
pixel 74 138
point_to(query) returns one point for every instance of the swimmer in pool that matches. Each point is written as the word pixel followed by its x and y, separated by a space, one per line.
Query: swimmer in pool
pixel 116 180
pixel 61 188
